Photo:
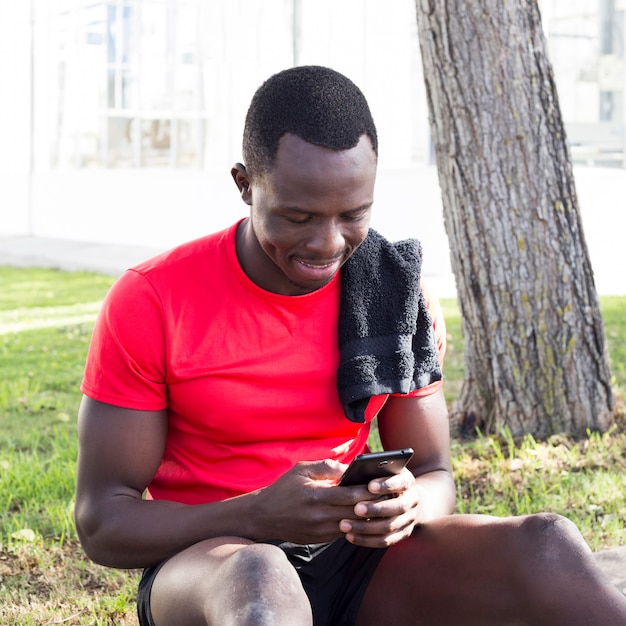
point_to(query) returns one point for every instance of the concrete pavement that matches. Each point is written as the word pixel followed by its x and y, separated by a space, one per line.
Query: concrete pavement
pixel 65 254
pixel 613 564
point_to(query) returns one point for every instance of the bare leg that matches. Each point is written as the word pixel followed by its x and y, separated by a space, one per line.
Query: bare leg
pixel 480 570
pixel 229 581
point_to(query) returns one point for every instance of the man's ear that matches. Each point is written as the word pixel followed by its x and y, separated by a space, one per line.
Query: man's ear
pixel 242 180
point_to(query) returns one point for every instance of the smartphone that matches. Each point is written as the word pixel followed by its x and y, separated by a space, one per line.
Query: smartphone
pixel 366 467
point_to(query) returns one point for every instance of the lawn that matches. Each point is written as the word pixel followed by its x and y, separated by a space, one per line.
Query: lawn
pixel 46 319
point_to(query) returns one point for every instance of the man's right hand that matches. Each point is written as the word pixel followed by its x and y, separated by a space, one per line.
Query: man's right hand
pixel 305 505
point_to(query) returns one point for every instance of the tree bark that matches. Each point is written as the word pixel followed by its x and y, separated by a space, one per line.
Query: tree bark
pixel 535 351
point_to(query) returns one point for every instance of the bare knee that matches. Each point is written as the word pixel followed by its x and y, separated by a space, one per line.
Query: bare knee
pixel 561 578
pixel 552 555
pixel 260 587
pixel 265 570
pixel 554 539
pixel 228 584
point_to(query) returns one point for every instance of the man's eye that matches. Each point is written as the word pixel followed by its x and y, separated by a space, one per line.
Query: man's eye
pixel 355 217
pixel 297 220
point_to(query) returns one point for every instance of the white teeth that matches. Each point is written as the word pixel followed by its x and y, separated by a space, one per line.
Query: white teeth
pixel 316 267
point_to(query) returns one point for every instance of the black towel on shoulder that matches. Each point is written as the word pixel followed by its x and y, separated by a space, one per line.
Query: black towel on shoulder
pixel 386 339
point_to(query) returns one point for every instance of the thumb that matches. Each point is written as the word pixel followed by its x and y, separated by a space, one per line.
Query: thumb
pixel 328 469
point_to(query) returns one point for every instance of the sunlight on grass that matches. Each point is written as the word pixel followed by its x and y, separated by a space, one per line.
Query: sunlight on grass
pixel 584 480
pixel 17 320
pixel 57 585
pixel 36 487
pixel 37 287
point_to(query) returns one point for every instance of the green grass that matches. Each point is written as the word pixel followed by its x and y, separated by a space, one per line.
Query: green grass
pixel 584 480
pixel 46 319
pixel 614 316
pixel 24 289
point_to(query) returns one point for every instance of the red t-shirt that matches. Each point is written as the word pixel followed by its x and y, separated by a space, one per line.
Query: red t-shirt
pixel 248 377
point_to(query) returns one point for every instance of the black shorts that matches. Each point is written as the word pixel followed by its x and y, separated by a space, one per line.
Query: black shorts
pixel 334 576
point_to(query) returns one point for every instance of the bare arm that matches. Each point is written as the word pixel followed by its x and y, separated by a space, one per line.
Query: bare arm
pixel 424 493
pixel 120 451
pixel 422 423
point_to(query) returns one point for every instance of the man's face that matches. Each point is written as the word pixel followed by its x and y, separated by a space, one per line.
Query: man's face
pixel 307 215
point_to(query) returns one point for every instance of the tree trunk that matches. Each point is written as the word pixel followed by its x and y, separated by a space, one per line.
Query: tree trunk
pixel 536 357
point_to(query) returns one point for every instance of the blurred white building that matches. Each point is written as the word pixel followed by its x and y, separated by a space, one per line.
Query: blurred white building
pixel 586 43
pixel 121 119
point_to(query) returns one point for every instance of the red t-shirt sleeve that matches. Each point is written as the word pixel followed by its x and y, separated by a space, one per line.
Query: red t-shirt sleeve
pixel 126 359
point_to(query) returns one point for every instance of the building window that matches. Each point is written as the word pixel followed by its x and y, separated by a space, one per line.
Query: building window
pixel 587 50
pixel 119 84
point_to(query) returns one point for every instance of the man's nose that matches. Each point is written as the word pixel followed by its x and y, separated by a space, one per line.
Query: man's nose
pixel 327 240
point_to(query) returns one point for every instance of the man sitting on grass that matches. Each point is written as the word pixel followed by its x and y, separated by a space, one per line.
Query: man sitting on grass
pixel 230 380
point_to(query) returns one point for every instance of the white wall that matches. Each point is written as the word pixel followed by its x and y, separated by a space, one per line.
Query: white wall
pixel 15 112
pixel 155 208
pixel 373 42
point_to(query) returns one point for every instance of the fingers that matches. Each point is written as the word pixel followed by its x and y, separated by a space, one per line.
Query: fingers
pixel 387 507
pixel 384 521
pixel 393 485
pixel 378 532
pixel 316 476
pixel 376 515
pixel 328 469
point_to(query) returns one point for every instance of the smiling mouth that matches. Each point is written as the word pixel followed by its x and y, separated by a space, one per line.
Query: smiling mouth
pixel 318 266
pixel 322 263
pixel 319 270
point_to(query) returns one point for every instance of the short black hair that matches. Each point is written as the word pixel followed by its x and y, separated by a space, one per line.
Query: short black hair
pixel 316 103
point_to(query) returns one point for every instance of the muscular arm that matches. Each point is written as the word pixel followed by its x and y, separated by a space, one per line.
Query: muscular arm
pixel 119 452
pixel 422 423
